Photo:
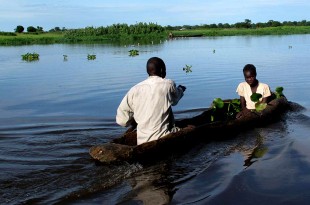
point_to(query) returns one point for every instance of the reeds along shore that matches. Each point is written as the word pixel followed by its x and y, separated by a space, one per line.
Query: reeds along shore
pixel 92 35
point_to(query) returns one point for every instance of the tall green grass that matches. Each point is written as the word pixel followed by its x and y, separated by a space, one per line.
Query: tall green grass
pixel 26 39
pixel 282 30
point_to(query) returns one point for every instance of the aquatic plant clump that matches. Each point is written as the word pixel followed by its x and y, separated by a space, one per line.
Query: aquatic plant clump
pixel 133 52
pixel 91 57
pixel 279 92
pixel 187 68
pixel 259 106
pixel 225 109
pixel 30 57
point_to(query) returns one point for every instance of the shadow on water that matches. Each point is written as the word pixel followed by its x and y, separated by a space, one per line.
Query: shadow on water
pixel 245 167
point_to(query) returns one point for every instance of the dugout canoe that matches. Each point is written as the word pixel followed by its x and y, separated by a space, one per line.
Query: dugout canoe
pixel 196 129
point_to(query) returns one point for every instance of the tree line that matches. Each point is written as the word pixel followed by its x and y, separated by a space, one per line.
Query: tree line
pixel 153 28
pixel 38 29
pixel 246 24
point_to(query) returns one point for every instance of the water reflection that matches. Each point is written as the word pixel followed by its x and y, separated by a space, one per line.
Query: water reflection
pixel 149 187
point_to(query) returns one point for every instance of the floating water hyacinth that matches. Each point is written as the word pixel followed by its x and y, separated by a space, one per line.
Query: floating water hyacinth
pixel 30 57
pixel 187 69
pixel 133 52
pixel 91 57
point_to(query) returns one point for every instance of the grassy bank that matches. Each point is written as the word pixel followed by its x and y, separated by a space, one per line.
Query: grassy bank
pixel 32 38
pixel 63 37
pixel 51 38
pixel 281 30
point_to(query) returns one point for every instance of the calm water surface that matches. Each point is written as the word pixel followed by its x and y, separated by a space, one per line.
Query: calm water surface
pixel 54 110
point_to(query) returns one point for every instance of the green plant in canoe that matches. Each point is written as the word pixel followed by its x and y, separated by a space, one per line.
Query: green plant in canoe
pixel 227 109
pixel 91 57
pixel 30 57
pixel 259 106
pixel 279 92
pixel 133 52
pixel 187 69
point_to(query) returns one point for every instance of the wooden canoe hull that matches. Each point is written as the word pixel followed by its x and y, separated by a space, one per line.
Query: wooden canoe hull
pixel 201 129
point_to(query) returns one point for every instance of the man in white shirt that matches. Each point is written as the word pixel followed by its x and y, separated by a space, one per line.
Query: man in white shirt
pixel 149 103
pixel 250 86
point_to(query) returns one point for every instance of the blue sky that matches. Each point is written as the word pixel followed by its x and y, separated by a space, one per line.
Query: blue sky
pixel 81 13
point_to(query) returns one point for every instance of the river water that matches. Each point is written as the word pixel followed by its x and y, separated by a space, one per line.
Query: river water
pixel 54 109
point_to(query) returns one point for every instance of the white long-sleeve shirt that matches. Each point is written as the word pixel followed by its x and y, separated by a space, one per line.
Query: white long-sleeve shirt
pixel 244 89
pixel 149 103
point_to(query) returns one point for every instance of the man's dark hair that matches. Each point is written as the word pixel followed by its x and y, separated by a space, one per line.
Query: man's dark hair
pixel 156 66
pixel 251 68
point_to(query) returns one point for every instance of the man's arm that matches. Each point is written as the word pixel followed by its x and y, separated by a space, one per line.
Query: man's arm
pixel 267 94
pixel 244 110
pixel 242 102
pixel 177 94
pixel 124 116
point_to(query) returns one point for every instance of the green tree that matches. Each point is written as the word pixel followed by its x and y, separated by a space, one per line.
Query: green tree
pixel 31 29
pixel 19 29
pixel 247 23
pixel 39 29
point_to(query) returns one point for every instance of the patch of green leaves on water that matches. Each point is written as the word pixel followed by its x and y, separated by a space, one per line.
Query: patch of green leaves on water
pixel 187 69
pixel 133 52
pixel 91 57
pixel 30 57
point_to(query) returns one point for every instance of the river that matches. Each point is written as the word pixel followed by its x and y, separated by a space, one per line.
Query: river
pixel 54 109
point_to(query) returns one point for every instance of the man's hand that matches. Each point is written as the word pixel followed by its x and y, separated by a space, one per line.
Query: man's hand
pixel 182 87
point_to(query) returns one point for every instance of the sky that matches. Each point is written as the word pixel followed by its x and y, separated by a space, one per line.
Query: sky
pixel 83 13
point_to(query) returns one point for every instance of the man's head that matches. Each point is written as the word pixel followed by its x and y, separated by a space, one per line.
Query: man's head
pixel 156 67
pixel 249 72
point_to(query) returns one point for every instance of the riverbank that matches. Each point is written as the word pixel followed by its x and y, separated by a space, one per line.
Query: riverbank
pixel 281 30
pixel 32 38
pixel 61 37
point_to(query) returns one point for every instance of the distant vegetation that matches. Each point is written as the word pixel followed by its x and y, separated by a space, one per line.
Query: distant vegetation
pixel 115 31
pixel 246 24
pixel 242 28
pixel 281 30
pixel 147 32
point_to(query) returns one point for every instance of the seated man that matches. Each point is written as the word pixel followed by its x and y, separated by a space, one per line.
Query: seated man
pixel 149 103
pixel 250 86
